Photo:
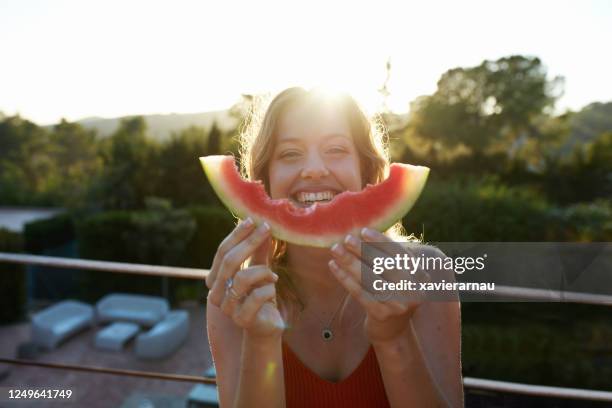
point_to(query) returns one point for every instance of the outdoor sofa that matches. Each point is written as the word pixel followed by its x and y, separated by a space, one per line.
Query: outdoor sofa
pixel 165 337
pixel 60 321
pixel 142 310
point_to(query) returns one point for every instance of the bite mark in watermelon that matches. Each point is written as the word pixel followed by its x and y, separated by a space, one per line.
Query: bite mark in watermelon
pixel 323 223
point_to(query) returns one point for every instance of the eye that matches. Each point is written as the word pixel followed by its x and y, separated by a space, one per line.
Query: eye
pixel 336 150
pixel 289 154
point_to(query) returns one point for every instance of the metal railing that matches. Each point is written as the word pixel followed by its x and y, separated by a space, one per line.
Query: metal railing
pixel 191 273
pixel 112 371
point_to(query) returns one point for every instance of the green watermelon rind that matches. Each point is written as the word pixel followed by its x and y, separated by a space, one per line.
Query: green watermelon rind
pixel 411 190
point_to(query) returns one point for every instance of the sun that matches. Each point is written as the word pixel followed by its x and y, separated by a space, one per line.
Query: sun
pixel 330 89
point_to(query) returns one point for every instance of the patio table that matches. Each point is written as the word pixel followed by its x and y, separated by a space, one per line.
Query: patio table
pixel 114 337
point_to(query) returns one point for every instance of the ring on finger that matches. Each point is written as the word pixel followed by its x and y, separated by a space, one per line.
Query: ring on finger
pixel 230 291
pixel 234 295
pixel 229 288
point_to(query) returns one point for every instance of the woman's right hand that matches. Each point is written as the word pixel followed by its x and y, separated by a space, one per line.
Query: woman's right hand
pixel 251 301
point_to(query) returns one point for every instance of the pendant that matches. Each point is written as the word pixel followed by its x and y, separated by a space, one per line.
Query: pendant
pixel 327 334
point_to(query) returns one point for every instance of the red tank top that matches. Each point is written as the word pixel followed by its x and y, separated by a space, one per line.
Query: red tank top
pixel 364 387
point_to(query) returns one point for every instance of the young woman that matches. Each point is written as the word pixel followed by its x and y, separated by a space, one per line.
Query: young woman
pixel 296 328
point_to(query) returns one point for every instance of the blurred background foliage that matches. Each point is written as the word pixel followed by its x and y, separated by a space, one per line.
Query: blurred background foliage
pixel 492 124
pixel 505 167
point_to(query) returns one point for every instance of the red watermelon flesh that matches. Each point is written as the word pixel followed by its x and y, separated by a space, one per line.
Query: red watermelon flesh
pixel 323 223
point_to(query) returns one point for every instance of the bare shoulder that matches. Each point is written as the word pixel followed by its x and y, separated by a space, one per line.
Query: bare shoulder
pixel 225 340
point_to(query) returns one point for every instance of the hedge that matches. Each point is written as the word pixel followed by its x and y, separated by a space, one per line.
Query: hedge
pixel 12 280
pixel 143 237
pixel 213 225
pixel 48 233
pixel 487 211
pixel 556 344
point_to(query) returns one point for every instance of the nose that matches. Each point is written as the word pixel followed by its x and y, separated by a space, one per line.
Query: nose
pixel 314 167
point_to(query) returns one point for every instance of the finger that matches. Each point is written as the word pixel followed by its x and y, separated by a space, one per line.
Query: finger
pixel 229 304
pixel 262 254
pixel 234 258
pixel 373 307
pixel 381 241
pixel 351 285
pixel 238 234
pixel 356 268
pixel 377 302
pixel 252 276
pixel 348 261
pixel 384 247
pixel 244 281
pixel 367 255
pixel 371 235
pixel 245 314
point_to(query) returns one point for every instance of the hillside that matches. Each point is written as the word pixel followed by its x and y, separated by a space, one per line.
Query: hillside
pixel 591 121
pixel 161 126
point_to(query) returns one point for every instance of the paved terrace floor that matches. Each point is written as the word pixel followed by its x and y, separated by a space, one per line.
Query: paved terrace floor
pixel 104 390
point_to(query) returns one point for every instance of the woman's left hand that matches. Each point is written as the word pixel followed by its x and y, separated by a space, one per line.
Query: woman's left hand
pixel 387 317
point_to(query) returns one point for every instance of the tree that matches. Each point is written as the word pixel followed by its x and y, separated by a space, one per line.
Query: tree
pixel 130 167
pixel 477 106
pixel 182 179
pixel 27 168
pixel 591 121
pixel 583 176
pixel 518 91
pixel 214 140
pixel 75 151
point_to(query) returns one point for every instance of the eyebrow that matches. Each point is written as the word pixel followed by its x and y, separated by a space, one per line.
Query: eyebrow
pixel 297 139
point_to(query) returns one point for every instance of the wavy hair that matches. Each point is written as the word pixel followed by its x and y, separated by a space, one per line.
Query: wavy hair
pixel 257 138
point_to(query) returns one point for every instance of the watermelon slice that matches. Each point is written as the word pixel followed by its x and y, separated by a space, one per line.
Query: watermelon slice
pixel 323 223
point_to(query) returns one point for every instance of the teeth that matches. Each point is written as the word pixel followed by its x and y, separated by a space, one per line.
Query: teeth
pixel 318 196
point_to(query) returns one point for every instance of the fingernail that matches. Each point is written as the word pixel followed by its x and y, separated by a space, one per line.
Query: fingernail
pixel 263 229
pixel 338 250
pixel 333 266
pixel 368 233
pixel 350 240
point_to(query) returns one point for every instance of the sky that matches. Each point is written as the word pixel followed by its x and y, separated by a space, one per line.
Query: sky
pixel 77 59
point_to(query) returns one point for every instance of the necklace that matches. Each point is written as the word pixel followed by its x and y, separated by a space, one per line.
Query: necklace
pixel 327 334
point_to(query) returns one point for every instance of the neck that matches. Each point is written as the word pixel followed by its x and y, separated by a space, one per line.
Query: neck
pixel 313 279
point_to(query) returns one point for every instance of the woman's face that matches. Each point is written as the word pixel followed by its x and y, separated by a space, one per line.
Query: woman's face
pixel 314 156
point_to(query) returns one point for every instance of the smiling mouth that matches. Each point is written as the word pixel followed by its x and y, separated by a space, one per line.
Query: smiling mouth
pixel 307 199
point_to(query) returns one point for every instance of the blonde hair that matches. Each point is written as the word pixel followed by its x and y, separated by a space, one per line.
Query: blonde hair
pixel 257 138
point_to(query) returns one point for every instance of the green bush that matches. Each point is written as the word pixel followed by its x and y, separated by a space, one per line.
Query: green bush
pixel 104 236
pixel 538 343
pixel 479 211
pixel 213 225
pixel 556 344
pixel 12 280
pixel 587 222
pixel 48 233
pixel 487 210
pixel 158 236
